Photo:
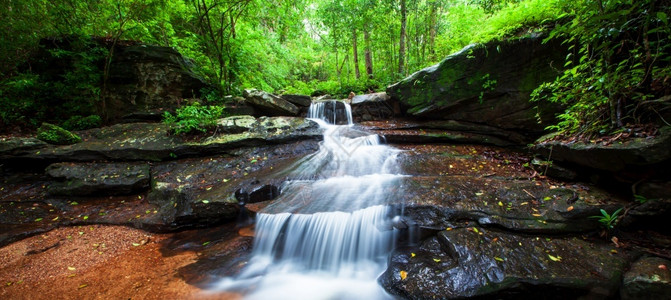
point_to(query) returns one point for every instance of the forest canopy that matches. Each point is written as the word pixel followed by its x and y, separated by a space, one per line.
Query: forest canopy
pixel 620 47
pixel 292 45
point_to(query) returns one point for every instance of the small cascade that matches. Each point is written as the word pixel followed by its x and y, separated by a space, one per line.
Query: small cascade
pixel 332 112
pixel 328 234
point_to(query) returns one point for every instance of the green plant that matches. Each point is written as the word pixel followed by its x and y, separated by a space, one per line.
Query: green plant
pixel 618 54
pixel 608 221
pixel 53 134
pixel 641 199
pixel 82 123
pixel 192 118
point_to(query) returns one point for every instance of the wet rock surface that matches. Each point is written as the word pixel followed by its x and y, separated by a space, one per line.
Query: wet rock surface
pixel 150 141
pixel 613 157
pixel 479 222
pixel 477 263
pixel 185 193
pixel 97 178
pixel 427 132
pixel 648 277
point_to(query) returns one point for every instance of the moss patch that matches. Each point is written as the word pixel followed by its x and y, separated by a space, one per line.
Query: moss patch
pixel 53 134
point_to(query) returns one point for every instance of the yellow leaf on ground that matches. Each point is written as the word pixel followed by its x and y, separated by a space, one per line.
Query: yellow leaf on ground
pixel 404 274
pixel 554 258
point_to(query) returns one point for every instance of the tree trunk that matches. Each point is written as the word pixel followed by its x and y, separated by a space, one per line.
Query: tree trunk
pixel 401 44
pixel 369 59
pixel 433 23
pixel 356 54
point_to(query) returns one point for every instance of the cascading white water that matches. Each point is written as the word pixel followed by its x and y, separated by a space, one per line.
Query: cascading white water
pixel 329 233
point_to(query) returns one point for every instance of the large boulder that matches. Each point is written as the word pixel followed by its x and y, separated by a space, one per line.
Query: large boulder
pixel 486 83
pixel 144 79
pixel 269 104
pixel 298 100
pixel 472 263
pixel 374 106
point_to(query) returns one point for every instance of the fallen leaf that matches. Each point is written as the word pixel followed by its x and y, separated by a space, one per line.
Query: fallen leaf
pixel 72 268
pixel 500 203
pixel 449 228
pixel 412 254
pixel 436 260
pixel 136 244
pixel 494 240
pixel 206 243
pixel 554 258
pixel 206 201
pixel 570 208
pixel 476 230
pixel 536 215
pixel 524 203
pixel 662 267
pixel 498 258
pixel 83 286
pixel 403 274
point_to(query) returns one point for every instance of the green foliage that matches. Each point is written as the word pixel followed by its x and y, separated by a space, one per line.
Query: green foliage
pixel 58 92
pixel 82 123
pixel 193 118
pixel 620 53
pixel 608 221
pixel 53 134
pixel 641 199
pixel 293 46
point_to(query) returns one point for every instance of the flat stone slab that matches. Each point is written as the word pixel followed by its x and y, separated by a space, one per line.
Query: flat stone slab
pixel 83 179
pixel 615 156
pixel 150 141
pixel 479 263
pixel 517 205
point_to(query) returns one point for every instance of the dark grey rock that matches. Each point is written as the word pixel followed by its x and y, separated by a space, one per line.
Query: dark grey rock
pixel 269 104
pixel 374 106
pixel 477 263
pixel 487 84
pixel 299 100
pixel 648 278
pixel 84 179
pixel 613 157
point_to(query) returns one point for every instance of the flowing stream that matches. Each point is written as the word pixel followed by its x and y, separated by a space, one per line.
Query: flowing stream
pixel 329 233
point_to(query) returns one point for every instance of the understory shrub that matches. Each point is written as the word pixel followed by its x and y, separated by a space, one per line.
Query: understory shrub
pixel 193 118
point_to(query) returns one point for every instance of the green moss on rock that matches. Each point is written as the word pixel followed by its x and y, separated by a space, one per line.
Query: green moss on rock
pixel 53 134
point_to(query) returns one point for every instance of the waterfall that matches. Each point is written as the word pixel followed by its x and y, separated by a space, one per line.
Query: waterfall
pixel 328 234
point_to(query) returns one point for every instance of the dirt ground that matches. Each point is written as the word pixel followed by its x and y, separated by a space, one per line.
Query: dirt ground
pixel 96 262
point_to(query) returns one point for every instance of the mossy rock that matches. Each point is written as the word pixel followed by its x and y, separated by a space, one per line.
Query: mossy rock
pixel 53 134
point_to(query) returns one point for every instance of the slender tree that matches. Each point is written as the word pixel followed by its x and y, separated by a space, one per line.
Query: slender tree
pixel 401 44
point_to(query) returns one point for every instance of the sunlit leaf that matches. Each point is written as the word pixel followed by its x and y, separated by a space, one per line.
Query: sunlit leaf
pixel 554 258
pixel 403 274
